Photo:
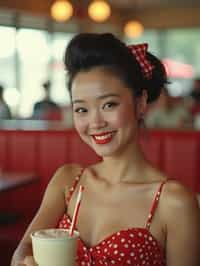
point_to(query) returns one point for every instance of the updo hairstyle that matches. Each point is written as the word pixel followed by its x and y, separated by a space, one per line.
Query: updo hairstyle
pixel 90 50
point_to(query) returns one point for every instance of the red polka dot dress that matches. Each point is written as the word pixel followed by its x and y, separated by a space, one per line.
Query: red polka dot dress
pixel 134 246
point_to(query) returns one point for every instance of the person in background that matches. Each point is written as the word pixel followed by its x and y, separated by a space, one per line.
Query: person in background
pixel 5 112
pixel 195 95
pixel 169 112
pixel 196 90
pixel 131 213
pixel 47 109
pixel 194 103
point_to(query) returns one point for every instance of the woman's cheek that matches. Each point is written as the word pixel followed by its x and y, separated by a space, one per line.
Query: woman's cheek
pixel 122 118
pixel 80 125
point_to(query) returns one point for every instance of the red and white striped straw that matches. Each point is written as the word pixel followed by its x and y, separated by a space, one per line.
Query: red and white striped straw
pixel 76 210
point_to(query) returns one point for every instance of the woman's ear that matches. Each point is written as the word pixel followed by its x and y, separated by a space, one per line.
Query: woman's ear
pixel 141 104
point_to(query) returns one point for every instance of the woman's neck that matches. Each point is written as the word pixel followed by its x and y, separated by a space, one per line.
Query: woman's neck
pixel 128 166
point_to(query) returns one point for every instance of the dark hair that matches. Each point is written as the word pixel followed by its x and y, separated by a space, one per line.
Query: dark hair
pixel 88 50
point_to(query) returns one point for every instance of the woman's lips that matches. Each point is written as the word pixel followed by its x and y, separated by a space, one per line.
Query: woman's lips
pixel 103 138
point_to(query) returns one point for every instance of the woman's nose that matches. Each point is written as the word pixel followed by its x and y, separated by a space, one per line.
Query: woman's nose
pixel 97 120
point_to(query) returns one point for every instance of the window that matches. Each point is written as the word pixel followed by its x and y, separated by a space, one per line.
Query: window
pixel 33 53
pixel 182 48
pixel 180 51
pixel 7 66
pixel 58 46
pixel 30 56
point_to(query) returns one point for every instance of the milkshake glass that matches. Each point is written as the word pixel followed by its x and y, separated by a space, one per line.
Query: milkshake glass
pixel 54 247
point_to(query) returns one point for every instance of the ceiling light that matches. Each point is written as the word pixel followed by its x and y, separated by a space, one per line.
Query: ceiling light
pixel 133 29
pixel 99 10
pixel 61 10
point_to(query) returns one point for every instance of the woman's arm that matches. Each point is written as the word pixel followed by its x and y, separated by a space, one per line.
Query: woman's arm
pixel 52 208
pixel 182 216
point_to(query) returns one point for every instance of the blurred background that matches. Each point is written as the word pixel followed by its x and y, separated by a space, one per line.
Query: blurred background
pixel 36 127
pixel 34 35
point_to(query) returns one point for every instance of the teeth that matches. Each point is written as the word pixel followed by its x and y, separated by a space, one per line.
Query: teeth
pixel 103 137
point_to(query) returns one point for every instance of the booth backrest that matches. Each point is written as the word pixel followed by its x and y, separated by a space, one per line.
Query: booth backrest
pixel 175 152
pixel 182 159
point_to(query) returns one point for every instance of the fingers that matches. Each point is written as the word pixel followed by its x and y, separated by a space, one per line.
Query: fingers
pixel 28 261
pixel 18 264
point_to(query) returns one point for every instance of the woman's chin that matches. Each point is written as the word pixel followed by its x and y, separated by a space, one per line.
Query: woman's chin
pixel 106 152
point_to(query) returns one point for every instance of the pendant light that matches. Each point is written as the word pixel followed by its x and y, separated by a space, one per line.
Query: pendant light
pixel 99 10
pixel 133 29
pixel 61 10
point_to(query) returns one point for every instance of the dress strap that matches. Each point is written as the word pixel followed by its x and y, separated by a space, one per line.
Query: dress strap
pixel 155 204
pixel 73 187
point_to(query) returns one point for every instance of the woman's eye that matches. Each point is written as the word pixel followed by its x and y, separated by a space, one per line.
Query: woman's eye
pixel 110 105
pixel 80 110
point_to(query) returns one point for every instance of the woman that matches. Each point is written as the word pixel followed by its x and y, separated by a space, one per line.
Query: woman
pixel 131 213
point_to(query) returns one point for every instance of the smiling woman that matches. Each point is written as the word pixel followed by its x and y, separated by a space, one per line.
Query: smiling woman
pixel 128 206
pixel 103 106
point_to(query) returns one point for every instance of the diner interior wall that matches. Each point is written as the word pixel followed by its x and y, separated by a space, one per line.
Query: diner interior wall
pixel 176 17
pixel 157 18
pixel 153 14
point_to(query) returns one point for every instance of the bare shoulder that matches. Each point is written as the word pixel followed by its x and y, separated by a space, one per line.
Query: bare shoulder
pixel 178 195
pixel 181 219
pixel 65 175
pixel 178 201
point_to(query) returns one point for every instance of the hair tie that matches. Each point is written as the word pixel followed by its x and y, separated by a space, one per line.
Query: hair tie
pixel 139 51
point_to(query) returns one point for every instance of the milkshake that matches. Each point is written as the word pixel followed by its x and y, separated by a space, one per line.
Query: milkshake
pixel 54 247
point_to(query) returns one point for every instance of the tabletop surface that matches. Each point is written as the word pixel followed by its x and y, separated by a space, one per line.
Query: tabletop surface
pixel 10 180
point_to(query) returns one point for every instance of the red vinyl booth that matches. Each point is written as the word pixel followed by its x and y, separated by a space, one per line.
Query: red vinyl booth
pixel 43 151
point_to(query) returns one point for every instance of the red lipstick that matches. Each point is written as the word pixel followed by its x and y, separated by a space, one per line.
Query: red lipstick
pixel 103 138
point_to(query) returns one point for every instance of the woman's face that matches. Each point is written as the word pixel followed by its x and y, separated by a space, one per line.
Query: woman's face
pixel 104 111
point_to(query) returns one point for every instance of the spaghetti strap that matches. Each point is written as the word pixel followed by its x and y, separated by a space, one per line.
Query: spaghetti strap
pixel 154 205
pixel 73 187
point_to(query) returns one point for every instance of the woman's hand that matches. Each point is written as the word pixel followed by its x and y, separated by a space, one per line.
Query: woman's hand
pixel 28 261
pixel 48 214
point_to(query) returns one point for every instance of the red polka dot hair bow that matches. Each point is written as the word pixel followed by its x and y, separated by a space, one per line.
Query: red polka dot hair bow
pixel 139 51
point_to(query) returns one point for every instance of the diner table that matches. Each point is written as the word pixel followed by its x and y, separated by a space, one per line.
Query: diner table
pixel 12 180
pixel 14 218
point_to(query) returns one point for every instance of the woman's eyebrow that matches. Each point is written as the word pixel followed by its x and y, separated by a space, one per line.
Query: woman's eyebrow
pixel 108 95
pixel 99 97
